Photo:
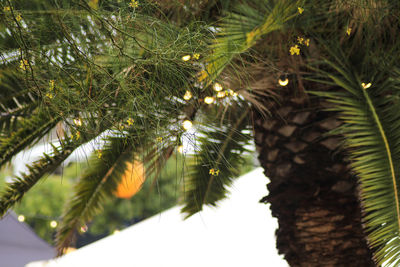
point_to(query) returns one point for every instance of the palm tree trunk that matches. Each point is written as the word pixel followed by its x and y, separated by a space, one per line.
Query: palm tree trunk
pixel 311 191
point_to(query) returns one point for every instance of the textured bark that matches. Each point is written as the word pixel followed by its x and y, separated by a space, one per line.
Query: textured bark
pixel 312 192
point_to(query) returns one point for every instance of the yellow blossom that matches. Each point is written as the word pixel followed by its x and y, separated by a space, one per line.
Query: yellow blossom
pixel 51 84
pixel 202 75
pixel 18 17
pixel 214 172
pixel 348 31
pixel 78 122
pixel 49 95
pixel 130 121
pixel 307 42
pixel 159 139
pixel 99 153
pixel 134 4
pixel 23 64
pixel 7 8
pixel 300 9
pixel 300 40
pixel 77 135
pixel 196 56
pixel 295 50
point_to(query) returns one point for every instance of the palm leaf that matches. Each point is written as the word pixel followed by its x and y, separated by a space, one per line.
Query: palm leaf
pixel 371 133
pixel 96 185
pixel 29 130
pixel 47 164
pixel 242 28
pixel 218 160
pixel 16 102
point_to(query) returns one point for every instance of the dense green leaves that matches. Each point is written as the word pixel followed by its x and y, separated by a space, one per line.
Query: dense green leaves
pixel 371 114
pixel 242 28
pixel 48 163
pixel 96 184
pixel 29 130
pixel 111 68
pixel 217 162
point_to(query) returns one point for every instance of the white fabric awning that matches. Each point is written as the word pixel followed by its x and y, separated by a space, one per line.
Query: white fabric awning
pixel 239 232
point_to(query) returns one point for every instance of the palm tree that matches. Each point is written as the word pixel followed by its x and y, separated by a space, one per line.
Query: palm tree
pixel 317 81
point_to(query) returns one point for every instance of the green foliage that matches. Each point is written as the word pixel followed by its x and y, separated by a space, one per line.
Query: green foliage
pixel 47 198
pixel 96 184
pixel 242 28
pixel 371 114
pixel 30 130
pixel 16 101
pixel 16 189
pixel 113 69
pixel 218 159
pixel 157 194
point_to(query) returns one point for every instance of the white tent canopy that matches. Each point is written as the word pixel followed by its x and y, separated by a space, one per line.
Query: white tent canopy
pixel 240 232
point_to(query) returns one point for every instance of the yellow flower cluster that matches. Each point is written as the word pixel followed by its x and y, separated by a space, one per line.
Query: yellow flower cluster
pixel 159 139
pixel 78 121
pixel 51 85
pixel 214 172
pixel 7 9
pixel 51 89
pixel 18 17
pixel 23 64
pixel 77 135
pixel 294 50
pixel 301 41
pixel 99 153
pixel 134 4
pixel 130 121
pixel 300 9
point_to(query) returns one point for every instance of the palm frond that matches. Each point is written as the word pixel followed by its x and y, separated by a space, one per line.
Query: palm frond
pixel 218 160
pixel 47 164
pixel 29 130
pixel 16 101
pixel 241 30
pixel 371 116
pixel 96 185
